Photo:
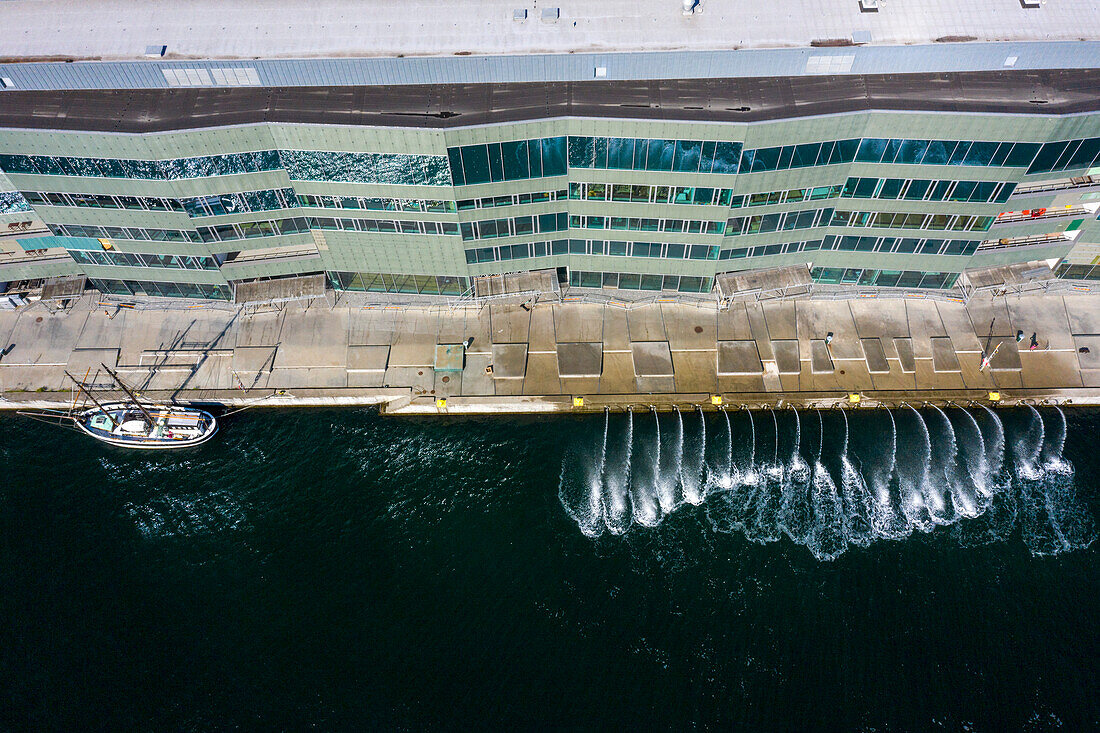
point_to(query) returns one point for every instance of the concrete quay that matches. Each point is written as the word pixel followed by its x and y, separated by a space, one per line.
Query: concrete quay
pixel 406 359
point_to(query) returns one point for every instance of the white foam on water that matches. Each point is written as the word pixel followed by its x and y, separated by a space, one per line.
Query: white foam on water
pixel 691 474
pixel 635 478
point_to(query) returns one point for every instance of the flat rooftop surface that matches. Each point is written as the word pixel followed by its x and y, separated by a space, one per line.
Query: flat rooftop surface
pixel 240 29
pixel 457 105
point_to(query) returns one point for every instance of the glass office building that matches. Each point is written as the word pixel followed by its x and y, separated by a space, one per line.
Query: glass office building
pixel 614 184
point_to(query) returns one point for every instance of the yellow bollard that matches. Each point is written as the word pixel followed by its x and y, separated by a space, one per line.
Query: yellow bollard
pixel 853 398
pixel 994 396
pixel 716 399
pixel 578 402
pixel 441 403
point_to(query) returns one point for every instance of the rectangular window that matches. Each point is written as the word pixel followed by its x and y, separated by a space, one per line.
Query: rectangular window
pixel 475 164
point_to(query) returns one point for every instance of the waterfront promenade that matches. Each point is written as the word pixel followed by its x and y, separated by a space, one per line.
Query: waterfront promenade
pixel 540 359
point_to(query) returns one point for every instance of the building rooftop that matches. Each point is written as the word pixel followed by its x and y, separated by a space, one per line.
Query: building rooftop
pixel 268 29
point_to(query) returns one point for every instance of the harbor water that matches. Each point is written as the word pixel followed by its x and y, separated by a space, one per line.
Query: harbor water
pixel 911 569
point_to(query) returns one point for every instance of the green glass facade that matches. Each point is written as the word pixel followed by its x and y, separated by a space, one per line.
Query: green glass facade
pixel 620 204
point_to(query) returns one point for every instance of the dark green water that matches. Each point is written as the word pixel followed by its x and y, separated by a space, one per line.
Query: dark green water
pixel 337 570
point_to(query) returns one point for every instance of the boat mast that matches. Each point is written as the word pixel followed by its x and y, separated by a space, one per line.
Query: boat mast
pixel 82 388
pixel 130 394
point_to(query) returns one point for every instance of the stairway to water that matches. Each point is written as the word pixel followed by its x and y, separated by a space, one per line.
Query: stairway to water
pixel 829 480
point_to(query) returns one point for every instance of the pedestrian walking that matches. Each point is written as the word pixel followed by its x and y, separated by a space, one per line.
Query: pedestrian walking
pixel 1034 343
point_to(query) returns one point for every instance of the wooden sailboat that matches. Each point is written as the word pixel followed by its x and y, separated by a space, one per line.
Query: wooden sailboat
pixel 135 424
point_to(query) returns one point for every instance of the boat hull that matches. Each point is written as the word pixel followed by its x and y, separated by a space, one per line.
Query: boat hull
pixel 179 427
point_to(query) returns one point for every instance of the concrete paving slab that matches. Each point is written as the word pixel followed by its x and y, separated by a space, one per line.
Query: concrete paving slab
pixel 193 331
pixel 33 378
pixel 313 338
pixel 213 371
pixel 371 327
pixel 618 373
pixel 99 331
pixel 420 379
pixel 782 319
pixel 580 386
pixel 85 360
pixel 508 386
pixel 738 357
pixel 689 327
pixel 578 322
pixel 479 329
pixel 259 329
pixel 451 328
pixel 758 328
pixel 447 384
pixel 368 358
pixel 646 323
pixel 825 381
pixel 1090 360
pixel 817 319
pixel 510 324
pixel 1007 357
pixel 1089 377
pixel 821 361
pixel 957 323
pixel 7 323
pixel 655 385
pixel 1050 369
pixel 652 359
pixel 944 358
pixel 475 381
pixel 787 356
pixel 733 323
pixel 366 378
pixel 616 329
pixel 413 354
pixel 142 380
pixel 1083 314
pixel 316 377
pixel 969 363
pixel 542 374
pixel 740 384
pixel 254 358
pixel 542 337
pixel 695 371
pixel 904 347
pixel 895 379
pixel 43 337
pixel 874 355
pixel 449 358
pixel 986 311
pixel 924 318
pixel 1046 318
pixel 580 360
pixel 417 325
pixel 853 376
pixel 509 361
pixel 880 318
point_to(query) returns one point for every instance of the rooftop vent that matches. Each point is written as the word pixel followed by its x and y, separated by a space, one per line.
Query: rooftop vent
pixel 600 72
pixel 519 14
pixel 551 15
pixel 1029 4
pixel 155 52
pixel 868 6
pixel 6 82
